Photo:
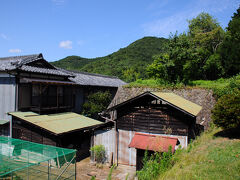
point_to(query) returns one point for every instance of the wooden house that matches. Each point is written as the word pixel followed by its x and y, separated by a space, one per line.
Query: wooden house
pixel 153 121
pixel 30 83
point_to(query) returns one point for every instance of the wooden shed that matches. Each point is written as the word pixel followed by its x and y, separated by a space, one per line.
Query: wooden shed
pixel 156 116
pixel 68 130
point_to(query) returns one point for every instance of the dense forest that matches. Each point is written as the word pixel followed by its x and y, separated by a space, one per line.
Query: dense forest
pixel 205 51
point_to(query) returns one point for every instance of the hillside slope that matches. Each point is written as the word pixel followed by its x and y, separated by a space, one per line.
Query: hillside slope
pixel 127 61
pixel 214 155
pixel 72 62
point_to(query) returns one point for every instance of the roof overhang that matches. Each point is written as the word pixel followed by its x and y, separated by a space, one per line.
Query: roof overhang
pixel 3 122
pixel 45 81
pixel 153 142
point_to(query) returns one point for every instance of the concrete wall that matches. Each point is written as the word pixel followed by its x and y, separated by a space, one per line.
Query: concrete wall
pixel 7 95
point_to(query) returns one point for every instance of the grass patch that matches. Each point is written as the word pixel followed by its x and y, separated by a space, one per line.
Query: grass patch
pixel 154 83
pixel 208 157
pixel 220 87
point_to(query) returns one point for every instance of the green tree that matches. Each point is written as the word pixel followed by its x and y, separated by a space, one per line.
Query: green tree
pixel 96 103
pixel 206 35
pixel 130 75
pixel 226 112
pixel 160 67
pixel 195 54
pixel 230 49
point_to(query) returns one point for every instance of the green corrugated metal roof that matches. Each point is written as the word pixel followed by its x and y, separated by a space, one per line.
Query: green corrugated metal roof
pixel 2 122
pixel 179 102
pixel 57 123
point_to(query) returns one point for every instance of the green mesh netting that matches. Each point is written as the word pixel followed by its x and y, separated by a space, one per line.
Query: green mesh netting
pixel 16 154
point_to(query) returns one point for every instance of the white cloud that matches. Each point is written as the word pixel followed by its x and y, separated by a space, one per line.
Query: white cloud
pixel 163 27
pixel 178 21
pixel 66 44
pixel 58 2
pixel 14 50
pixel 4 36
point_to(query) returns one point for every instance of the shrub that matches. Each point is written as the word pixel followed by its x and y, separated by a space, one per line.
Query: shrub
pixel 226 113
pixel 157 164
pixel 99 153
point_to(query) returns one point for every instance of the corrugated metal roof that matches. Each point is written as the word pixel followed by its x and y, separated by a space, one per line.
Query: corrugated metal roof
pixel 57 123
pixel 179 102
pixel 2 122
pixel 153 142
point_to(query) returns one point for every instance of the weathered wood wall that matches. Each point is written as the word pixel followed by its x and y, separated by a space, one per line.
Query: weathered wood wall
pixel 160 120
pixel 24 131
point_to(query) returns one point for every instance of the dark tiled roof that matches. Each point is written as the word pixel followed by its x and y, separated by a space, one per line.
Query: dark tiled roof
pixel 10 63
pixel 90 79
pixel 43 70
pixel 20 62
pixel 97 80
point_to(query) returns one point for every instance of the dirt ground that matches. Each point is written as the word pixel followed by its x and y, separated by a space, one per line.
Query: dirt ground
pixel 86 169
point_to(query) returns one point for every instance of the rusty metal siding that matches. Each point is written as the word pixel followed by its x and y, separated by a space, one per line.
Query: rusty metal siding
pixel 126 155
pixel 106 138
pixel 7 96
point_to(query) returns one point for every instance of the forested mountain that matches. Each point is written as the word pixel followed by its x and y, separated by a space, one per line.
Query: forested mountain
pixel 72 62
pixel 128 63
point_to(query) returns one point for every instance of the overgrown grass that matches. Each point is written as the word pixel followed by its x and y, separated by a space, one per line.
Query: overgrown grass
pixel 155 165
pixel 219 87
pixel 208 157
pixel 154 83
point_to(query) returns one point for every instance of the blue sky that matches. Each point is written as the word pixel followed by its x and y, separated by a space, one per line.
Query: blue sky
pixel 95 28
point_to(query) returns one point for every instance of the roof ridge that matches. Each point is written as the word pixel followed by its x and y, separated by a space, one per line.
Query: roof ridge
pixel 94 74
pixel 21 56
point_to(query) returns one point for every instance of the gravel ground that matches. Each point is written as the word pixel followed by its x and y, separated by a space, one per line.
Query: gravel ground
pixel 86 169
